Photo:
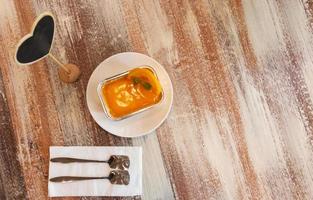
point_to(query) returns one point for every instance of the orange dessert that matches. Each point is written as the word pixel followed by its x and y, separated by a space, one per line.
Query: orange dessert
pixel 138 89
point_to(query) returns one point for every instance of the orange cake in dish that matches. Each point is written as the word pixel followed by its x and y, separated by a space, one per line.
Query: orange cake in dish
pixel 132 92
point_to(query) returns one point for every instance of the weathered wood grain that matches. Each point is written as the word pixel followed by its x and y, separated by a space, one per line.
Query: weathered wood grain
pixel 12 182
pixel 241 126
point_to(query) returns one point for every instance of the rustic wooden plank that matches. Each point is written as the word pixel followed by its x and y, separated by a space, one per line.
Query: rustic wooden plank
pixel 156 184
pixel 11 174
pixel 67 127
pixel 242 121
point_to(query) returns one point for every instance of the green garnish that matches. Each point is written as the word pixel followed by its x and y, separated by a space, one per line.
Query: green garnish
pixel 147 85
pixel 136 80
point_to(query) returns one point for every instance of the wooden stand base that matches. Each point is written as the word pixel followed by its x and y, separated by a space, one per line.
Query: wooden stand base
pixel 70 76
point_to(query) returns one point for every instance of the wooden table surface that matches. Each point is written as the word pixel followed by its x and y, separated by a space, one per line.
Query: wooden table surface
pixel 241 125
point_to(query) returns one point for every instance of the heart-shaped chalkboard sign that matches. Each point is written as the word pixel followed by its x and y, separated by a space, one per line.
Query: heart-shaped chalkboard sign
pixel 37 44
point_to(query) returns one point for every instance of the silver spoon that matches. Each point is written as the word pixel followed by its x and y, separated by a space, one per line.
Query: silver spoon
pixel 115 161
pixel 119 177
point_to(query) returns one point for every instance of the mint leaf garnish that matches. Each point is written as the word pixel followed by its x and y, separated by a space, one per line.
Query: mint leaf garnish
pixel 147 85
pixel 136 80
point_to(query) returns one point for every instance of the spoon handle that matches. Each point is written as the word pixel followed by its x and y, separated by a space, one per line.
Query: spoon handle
pixel 119 177
pixel 74 178
pixel 71 160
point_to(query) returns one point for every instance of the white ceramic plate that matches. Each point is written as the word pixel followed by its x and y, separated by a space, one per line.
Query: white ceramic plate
pixel 139 124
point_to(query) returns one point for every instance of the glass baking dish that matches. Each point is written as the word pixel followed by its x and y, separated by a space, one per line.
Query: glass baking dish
pixel 116 77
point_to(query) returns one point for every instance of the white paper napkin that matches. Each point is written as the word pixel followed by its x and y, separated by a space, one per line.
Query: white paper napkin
pixel 94 187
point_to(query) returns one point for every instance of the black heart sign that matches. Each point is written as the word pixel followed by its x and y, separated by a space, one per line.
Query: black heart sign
pixel 37 44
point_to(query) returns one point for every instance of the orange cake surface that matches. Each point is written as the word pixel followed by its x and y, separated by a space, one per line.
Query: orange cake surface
pixel 138 89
